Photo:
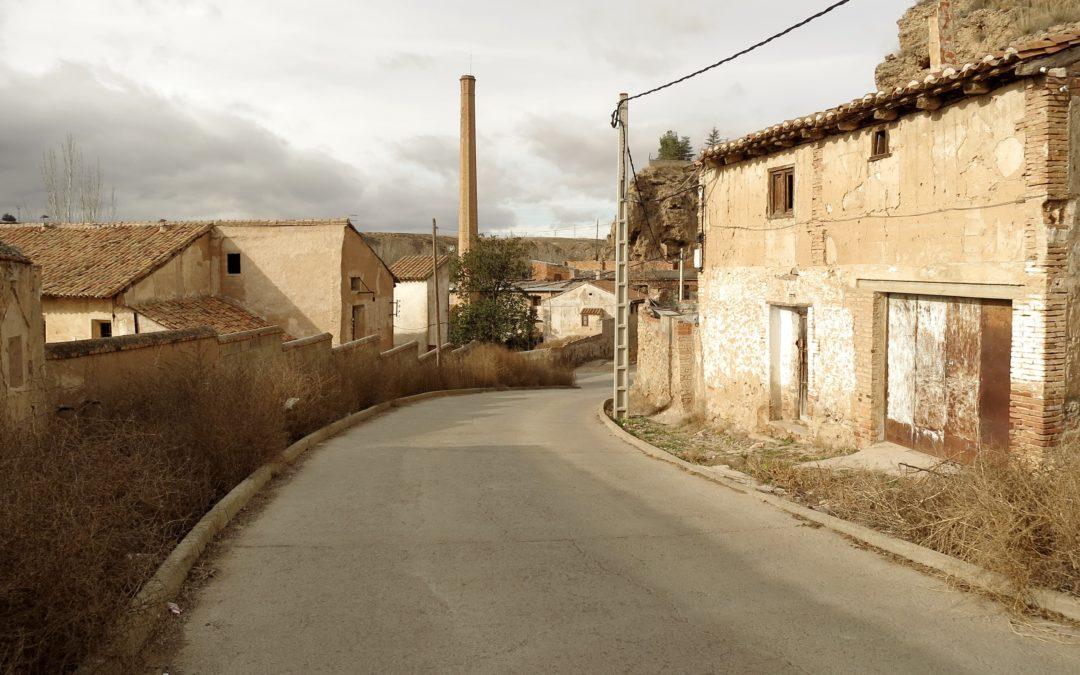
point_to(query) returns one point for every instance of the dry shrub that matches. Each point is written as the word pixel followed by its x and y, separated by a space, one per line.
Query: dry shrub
pixel 92 504
pixel 1003 514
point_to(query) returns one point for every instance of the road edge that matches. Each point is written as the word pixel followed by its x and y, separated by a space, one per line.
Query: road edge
pixel 1047 600
pixel 138 627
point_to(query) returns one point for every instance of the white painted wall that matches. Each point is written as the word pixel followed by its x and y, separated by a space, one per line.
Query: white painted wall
pixel 416 313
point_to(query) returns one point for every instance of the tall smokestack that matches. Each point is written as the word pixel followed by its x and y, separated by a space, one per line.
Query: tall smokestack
pixel 467 223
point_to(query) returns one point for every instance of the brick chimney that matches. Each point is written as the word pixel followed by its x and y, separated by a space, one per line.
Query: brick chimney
pixel 940 42
pixel 467 223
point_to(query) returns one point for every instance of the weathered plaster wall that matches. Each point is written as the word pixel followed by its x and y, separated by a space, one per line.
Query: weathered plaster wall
pixel 668 376
pixel 290 275
pixel 416 302
pixel 21 341
pixel 71 318
pixel 359 260
pixel 189 274
pixel 951 211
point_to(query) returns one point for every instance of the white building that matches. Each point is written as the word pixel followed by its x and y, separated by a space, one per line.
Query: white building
pixel 417 302
pixel 581 311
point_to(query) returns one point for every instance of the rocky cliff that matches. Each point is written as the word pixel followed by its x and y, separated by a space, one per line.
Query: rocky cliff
pixel 979 28
pixel 663 211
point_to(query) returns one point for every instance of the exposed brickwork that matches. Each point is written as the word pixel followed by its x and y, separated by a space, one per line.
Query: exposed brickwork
pixel 1037 398
pixel 817 213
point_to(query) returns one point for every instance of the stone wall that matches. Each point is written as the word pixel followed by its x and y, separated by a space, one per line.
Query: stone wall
pixel 669 369
pixel 21 337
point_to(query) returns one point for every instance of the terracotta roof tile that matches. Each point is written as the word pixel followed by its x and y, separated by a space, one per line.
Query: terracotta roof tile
pixel 224 316
pixel 99 261
pixel 592 311
pixel 415 267
pixel 998 68
pixel 11 253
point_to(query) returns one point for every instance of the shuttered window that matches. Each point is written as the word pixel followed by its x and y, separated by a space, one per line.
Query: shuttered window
pixel 782 192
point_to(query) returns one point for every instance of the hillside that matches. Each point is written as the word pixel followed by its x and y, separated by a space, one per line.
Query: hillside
pixel 390 246
pixel 980 27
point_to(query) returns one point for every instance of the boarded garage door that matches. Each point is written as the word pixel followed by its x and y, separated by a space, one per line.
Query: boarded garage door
pixel 948 374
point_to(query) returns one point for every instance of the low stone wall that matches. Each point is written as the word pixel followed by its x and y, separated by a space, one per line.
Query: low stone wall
pixel 582 350
pixel 669 364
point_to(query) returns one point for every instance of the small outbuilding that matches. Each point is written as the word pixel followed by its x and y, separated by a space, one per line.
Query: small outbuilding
pixel 422 300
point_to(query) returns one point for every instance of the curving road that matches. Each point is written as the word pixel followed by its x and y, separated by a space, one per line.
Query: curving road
pixel 511 532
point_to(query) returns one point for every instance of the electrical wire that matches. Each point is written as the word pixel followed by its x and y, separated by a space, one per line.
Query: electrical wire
pixel 743 52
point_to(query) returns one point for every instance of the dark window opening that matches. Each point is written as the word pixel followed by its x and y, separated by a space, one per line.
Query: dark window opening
pixel 880 144
pixel 102 329
pixel 357 284
pixel 584 319
pixel 232 263
pixel 782 192
pixel 16 374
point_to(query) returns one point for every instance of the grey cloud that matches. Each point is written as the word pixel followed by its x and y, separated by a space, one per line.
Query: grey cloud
pixel 581 149
pixel 406 61
pixel 164 159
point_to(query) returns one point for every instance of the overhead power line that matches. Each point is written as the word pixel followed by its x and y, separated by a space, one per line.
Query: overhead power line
pixel 743 52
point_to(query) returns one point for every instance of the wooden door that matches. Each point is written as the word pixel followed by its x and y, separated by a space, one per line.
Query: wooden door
pixel 359 330
pixel 948 374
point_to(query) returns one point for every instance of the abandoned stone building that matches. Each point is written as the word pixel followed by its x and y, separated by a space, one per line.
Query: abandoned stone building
pixel 422 301
pixel 581 310
pixel 21 335
pixel 904 267
pixel 308 277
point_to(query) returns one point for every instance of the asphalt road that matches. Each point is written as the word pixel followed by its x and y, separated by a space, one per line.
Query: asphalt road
pixel 512 532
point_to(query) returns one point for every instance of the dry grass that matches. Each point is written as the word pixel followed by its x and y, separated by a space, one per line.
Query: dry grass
pixel 94 503
pixel 1003 514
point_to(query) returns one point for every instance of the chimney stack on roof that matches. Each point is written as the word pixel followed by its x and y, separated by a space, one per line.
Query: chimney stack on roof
pixel 467 221
pixel 940 42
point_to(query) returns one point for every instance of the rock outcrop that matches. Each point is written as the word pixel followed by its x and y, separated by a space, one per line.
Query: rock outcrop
pixel 979 28
pixel 390 246
pixel 669 198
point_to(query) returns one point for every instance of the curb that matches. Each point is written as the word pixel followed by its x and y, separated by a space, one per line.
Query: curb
pixel 972 575
pixel 137 628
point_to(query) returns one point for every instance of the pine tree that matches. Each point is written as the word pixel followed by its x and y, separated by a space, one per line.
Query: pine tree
pixel 713 139
pixel 673 146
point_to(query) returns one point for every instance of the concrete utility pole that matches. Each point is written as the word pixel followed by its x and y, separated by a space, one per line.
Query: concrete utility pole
pixel 682 257
pixel 435 278
pixel 467 219
pixel 622 280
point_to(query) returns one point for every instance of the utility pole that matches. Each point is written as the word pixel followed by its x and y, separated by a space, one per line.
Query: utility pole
pixel 622 281
pixel 682 257
pixel 435 278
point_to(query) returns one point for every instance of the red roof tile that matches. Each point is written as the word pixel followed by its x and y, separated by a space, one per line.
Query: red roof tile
pixel 99 261
pixel 224 316
pixel 415 267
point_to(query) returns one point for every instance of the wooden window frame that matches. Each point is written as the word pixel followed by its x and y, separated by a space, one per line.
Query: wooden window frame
pixel 585 320
pixel 787 192
pixel 874 136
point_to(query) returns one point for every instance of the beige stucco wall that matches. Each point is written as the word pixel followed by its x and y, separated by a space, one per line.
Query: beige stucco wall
pixel 944 214
pixel 416 302
pixel 189 274
pixel 357 259
pixel 69 319
pixel 20 329
pixel 562 313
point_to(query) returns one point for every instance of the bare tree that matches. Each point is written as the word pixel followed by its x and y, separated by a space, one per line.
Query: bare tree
pixel 73 189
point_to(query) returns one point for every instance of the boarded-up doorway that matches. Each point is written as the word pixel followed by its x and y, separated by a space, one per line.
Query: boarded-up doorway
pixel 359 329
pixel 948 374
pixel 789 364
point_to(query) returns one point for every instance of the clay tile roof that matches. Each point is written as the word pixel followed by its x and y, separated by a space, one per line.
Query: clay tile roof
pixel 992 70
pixel 10 253
pixel 415 267
pixel 592 311
pixel 99 261
pixel 224 316
pixel 308 222
pixel 609 286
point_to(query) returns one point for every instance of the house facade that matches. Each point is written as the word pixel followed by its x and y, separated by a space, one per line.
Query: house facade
pixel 903 267
pixel 309 277
pixel 422 301
pixel 21 336
pixel 581 310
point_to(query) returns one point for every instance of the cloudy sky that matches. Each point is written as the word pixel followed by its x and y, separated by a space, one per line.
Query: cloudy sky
pixel 306 108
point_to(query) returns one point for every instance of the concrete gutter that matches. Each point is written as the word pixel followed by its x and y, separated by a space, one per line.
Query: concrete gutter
pixel 1054 602
pixel 137 627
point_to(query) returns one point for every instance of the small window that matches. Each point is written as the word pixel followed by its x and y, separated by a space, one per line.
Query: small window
pixel 535 300
pixel 232 263
pixel 782 192
pixel 880 141
pixel 356 284
pixel 101 329
pixel 584 319
pixel 16 368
